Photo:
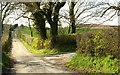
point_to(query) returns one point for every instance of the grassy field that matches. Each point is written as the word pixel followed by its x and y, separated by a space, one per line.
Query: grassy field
pixel 26 30
pixel 61 31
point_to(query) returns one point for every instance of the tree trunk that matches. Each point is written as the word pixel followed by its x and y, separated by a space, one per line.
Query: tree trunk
pixel 31 33
pixel 54 33
pixel 40 24
pixel 54 26
pixel 53 19
pixel 72 17
pixel 69 29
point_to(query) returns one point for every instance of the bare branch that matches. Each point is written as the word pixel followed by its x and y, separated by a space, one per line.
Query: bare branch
pixel 110 17
pixel 111 7
pixel 89 8
pixel 24 16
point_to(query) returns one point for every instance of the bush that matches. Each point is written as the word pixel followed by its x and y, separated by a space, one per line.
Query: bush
pixel 38 43
pixel 6 47
pixel 41 51
pixel 61 41
pixel 5 59
pixel 98 43
pixel 66 43
pixel 66 40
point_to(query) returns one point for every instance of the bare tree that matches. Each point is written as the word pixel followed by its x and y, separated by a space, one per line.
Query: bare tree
pixel 116 8
pixel 84 12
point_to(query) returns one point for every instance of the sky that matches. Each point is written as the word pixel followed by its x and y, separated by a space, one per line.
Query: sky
pixel 24 21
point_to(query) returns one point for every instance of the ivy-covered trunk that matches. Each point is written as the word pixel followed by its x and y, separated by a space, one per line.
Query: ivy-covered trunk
pixel 31 33
pixel 52 16
pixel 40 24
pixel 54 26
pixel 54 33
pixel 72 17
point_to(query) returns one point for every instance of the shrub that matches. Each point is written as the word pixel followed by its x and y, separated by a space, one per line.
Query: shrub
pixel 38 43
pixel 66 43
pixel 6 47
pixel 61 42
pixel 66 40
pixel 41 51
pixel 98 43
pixel 34 43
pixel 5 59
pixel 47 43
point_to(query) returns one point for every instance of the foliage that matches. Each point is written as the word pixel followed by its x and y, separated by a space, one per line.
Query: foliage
pixel 89 64
pixel 41 51
pixel 40 24
pixel 6 47
pixel 5 59
pixel 98 43
pixel 6 44
pixel 38 43
pixel 66 40
pixel 65 43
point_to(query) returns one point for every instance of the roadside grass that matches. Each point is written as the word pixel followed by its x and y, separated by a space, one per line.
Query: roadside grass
pixel 41 51
pixel 89 64
pixel 49 51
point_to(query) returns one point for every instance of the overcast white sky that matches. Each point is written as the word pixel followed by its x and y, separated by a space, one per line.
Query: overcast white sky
pixel 24 21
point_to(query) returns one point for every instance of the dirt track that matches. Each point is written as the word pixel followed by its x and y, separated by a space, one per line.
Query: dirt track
pixel 30 63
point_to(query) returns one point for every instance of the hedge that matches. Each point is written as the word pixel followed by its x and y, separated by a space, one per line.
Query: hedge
pixel 62 41
pixel 104 42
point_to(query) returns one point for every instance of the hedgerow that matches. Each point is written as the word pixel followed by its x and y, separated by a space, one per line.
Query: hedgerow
pixel 100 43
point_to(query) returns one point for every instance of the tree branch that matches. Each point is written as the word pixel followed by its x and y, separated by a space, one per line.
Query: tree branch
pixel 111 7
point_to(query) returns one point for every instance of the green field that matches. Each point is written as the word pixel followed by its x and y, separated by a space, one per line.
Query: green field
pixel 61 31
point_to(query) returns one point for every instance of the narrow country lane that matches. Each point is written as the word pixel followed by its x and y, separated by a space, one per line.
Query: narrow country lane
pixel 25 62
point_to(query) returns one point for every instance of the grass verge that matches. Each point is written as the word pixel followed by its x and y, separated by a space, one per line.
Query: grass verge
pixel 89 64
